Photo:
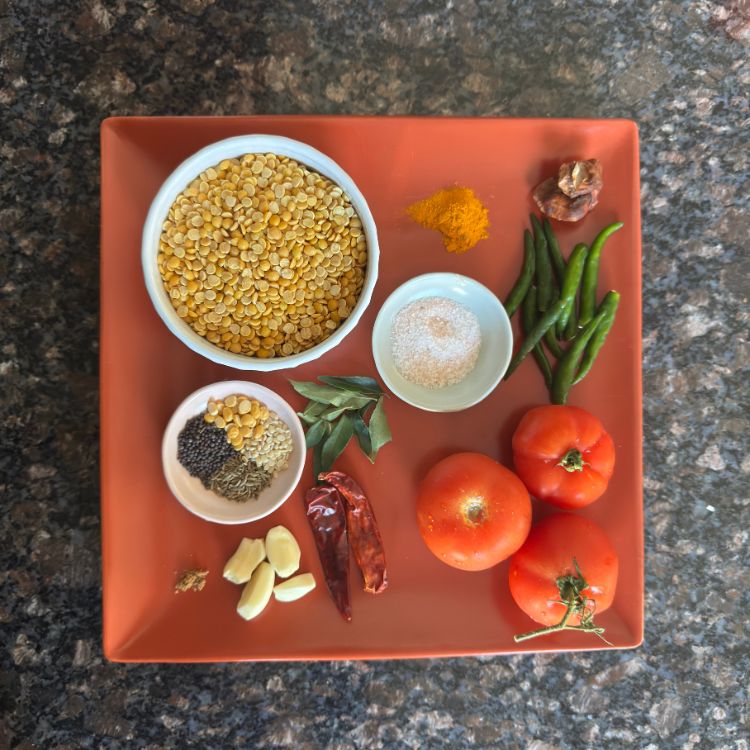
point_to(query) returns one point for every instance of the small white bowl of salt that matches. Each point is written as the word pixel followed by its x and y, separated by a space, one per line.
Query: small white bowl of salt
pixel 442 342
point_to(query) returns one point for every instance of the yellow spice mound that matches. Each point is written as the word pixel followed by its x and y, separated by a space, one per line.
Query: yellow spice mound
pixel 457 214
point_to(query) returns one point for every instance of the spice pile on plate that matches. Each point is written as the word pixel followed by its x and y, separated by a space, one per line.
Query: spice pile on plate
pixel 236 447
pixel 435 342
pixel 457 214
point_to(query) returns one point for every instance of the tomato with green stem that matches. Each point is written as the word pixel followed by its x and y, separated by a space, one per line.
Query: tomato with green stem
pixel 563 455
pixel 565 572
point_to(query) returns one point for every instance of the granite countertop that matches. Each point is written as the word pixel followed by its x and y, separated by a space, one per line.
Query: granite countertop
pixel 681 70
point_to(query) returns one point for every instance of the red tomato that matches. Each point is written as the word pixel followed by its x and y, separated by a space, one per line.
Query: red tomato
pixel 540 570
pixel 472 512
pixel 563 455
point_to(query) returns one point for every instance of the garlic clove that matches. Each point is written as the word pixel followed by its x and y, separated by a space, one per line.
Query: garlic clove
pixel 295 588
pixel 245 560
pixel 282 551
pixel 257 592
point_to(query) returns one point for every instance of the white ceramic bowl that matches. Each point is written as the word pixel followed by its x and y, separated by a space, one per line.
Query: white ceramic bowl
pixel 188 171
pixel 494 354
pixel 191 492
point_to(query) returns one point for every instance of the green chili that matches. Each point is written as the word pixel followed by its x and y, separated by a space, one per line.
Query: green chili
pixel 535 335
pixel 549 338
pixel 568 365
pixel 558 263
pixel 543 267
pixel 518 293
pixel 570 284
pixel 609 307
pixel 528 318
pixel 591 272
pixel 572 328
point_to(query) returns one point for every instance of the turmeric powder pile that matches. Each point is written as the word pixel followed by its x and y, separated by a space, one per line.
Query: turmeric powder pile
pixel 457 214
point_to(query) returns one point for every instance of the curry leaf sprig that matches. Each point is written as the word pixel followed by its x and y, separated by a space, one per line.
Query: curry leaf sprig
pixel 342 408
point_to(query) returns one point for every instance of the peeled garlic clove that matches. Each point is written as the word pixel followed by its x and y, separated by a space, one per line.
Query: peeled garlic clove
pixel 257 592
pixel 245 560
pixel 282 551
pixel 295 588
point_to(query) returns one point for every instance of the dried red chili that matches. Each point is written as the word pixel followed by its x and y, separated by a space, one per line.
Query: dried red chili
pixel 364 535
pixel 325 512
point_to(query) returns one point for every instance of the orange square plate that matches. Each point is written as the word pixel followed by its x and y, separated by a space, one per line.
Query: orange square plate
pixel 429 609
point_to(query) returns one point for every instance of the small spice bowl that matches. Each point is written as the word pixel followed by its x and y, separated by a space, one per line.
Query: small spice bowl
pixel 203 502
pixel 494 354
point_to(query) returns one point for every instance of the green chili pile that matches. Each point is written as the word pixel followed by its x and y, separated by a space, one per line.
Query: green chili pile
pixel 558 303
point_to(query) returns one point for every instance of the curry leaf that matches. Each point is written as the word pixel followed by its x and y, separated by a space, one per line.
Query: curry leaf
pixel 312 412
pixel 336 442
pixel 355 402
pixel 335 413
pixel 322 393
pixel 338 410
pixel 317 432
pixel 316 462
pixel 363 436
pixel 315 408
pixel 380 432
pixel 326 394
pixel 358 383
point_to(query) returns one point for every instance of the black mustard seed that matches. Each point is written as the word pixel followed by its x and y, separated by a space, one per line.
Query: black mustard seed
pixel 202 448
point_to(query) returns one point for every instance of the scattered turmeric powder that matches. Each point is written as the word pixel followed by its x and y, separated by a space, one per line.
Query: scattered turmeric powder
pixel 457 214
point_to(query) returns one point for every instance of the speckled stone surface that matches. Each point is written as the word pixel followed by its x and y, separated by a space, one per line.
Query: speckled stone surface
pixel 680 69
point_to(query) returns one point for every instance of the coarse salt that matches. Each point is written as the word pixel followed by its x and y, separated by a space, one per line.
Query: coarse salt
pixel 435 341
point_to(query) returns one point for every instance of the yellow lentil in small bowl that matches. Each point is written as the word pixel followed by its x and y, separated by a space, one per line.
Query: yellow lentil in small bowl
pixel 260 253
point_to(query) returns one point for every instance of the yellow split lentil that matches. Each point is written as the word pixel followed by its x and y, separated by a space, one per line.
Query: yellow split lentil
pixel 242 418
pixel 262 256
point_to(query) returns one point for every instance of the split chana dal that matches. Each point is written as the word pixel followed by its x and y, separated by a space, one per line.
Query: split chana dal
pixel 240 417
pixel 262 256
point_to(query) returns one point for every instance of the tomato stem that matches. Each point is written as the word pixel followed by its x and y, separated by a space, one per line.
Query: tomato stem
pixel 562 625
pixel 571 587
pixel 474 511
pixel 573 461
